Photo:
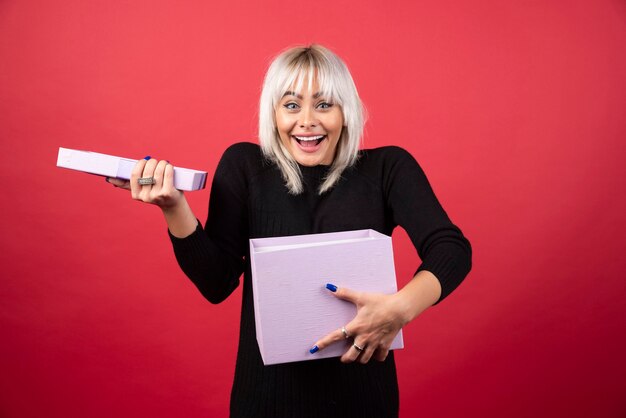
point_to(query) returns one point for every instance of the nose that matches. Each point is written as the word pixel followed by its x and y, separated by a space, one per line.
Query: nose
pixel 307 118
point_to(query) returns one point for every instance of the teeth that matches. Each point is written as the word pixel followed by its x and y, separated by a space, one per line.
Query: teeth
pixel 308 138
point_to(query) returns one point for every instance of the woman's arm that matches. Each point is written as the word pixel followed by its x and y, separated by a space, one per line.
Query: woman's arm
pixel 445 254
pixel 180 219
pixel 212 258
pixel 442 247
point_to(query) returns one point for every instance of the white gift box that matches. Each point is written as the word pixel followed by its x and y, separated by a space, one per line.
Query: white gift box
pixel 121 168
pixel 293 308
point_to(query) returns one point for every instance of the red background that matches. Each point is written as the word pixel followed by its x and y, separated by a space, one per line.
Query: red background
pixel 514 109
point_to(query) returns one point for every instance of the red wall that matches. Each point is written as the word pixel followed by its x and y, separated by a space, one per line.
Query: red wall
pixel 514 109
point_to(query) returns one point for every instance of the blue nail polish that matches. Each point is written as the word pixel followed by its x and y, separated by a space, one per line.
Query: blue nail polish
pixel 147 157
pixel 331 287
pixel 314 350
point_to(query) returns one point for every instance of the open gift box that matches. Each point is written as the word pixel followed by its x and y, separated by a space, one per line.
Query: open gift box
pixel 293 308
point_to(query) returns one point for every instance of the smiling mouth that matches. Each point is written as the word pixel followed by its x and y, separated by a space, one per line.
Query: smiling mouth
pixel 309 141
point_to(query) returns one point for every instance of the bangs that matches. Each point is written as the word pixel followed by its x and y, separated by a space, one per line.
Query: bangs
pixel 302 73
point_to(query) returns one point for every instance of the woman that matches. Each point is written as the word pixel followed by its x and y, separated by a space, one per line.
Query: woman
pixel 308 176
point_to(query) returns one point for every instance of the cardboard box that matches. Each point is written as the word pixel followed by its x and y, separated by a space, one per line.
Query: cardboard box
pixel 121 168
pixel 293 308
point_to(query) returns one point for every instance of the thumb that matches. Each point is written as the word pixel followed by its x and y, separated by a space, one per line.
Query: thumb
pixel 343 293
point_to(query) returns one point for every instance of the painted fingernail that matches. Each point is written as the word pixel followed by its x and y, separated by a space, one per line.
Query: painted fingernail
pixel 147 157
pixel 331 287
pixel 314 350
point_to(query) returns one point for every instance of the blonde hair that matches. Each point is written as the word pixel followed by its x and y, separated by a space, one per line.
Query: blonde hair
pixel 299 67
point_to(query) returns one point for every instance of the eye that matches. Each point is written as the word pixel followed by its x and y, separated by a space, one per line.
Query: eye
pixel 291 106
pixel 324 105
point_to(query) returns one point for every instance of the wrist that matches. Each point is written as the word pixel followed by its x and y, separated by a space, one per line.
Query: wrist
pixel 419 294
pixel 405 307
pixel 181 221
pixel 176 207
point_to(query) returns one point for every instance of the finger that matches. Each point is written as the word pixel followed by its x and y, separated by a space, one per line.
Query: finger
pixel 135 187
pixel 168 176
pixel 381 354
pixel 353 352
pixel 344 293
pixel 346 334
pixel 122 184
pixel 148 171
pixel 158 175
pixel 329 339
pixel 366 354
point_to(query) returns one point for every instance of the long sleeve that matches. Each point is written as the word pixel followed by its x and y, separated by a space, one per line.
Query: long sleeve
pixel 212 257
pixel 444 250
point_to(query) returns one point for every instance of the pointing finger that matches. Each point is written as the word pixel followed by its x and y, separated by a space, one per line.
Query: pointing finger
pixel 329 339
pixel 344 293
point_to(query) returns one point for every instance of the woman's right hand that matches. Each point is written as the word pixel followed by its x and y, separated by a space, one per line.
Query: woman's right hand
pixel 180 219
pixel 162 193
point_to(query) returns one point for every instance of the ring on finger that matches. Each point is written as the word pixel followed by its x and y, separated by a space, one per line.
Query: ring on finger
pixel 358 347
pixel 146 181
pixel 344 331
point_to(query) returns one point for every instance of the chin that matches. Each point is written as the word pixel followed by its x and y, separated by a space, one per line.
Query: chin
pixel 312 158
pixel 309 162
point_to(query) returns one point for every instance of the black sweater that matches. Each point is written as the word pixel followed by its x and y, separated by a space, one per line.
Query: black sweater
pixel 249 199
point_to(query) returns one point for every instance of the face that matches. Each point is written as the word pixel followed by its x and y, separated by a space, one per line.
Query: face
pixel 309 126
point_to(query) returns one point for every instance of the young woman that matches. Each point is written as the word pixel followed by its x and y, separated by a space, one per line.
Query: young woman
pixel 309 176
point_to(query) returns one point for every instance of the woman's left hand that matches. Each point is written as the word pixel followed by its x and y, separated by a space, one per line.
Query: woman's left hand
pixel 378 320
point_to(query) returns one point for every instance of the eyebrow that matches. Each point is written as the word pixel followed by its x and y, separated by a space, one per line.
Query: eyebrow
pixel 299 96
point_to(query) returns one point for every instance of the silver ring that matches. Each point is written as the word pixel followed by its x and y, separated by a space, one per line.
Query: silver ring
pixel 144 181
pixel 359 349
pixel 345 333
